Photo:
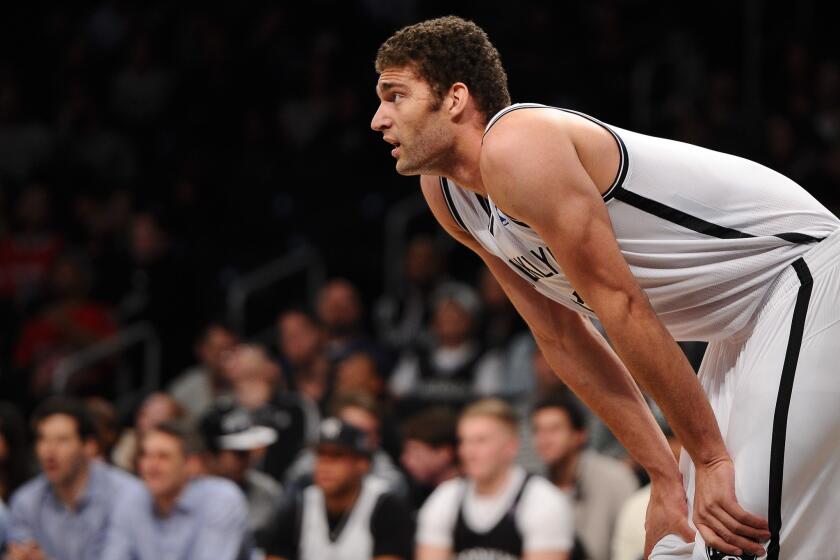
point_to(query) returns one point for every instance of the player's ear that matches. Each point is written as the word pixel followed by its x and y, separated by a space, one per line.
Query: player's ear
pixel 456 101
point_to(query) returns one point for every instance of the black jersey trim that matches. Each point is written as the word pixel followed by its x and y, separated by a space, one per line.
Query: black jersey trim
pixel 694 223
pixel 624 158
pixel 450 203
pixel 780 416
pixel 485 205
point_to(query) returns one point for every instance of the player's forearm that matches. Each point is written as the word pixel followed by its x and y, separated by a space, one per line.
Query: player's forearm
pixel 587 364
pixel 662 370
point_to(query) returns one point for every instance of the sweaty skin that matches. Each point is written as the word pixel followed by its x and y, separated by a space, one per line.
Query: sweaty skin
pixel 565 164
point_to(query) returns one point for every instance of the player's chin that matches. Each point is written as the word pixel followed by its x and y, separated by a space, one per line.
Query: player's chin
pixel 406 169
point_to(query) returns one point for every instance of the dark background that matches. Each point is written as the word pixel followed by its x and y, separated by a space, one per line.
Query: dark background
pixel 173 147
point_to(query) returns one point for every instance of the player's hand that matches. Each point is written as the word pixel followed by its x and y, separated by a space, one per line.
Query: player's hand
pixel 724 524
pixel 667 513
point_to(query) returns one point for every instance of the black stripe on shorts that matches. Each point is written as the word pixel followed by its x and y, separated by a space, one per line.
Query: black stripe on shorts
pixel 780 417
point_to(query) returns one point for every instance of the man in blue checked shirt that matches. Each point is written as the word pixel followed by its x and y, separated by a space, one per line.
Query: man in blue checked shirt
pixel 64 514
pixel 182 515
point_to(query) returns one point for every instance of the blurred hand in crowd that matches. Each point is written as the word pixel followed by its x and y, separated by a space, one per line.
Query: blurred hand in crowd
pixel 28 550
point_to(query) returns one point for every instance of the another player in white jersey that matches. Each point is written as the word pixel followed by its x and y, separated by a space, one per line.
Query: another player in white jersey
pixel 661 241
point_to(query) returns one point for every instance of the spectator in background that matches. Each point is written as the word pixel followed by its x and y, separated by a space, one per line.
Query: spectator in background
pixel 65 513
pixel 28 251
pixel 107 426
pixel 257 384
pixel 344 513
pixel 340 312
pixel 163 289
pixel 430 451
pixel 362 412
pixel 496 510
pixel 181 514
pixel 15 459
pixel 197 387
pixel 453 368
pixel 155 409
pixel 599 485
pixel 499 322
pixel 71 321
pixel 402 318
pixel 301 343
pixel 4 526
pixel 232 442
pixel 628 541
pixel 359 373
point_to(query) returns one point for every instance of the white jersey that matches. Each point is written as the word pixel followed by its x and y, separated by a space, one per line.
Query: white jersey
pixel 355 541
pixel 704 233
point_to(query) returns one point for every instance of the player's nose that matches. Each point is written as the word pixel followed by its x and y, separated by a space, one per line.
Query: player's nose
pixel 380 121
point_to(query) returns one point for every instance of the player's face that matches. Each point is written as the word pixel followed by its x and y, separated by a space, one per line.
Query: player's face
pixel 554 436
pixel 413 121
pixel 487 447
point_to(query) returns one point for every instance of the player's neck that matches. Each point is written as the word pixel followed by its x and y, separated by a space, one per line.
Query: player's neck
pixel 464 168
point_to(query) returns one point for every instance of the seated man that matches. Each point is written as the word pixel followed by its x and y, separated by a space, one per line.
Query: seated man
pixel 182 514
pixel 361 412
pixel 65 513
pixel 496 510
pixel 196 388
pixel 429 453
pixel 344 514
pixel 599 485
pixel 232 442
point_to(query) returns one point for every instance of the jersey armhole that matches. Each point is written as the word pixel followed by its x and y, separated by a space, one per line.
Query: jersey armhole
pixel 450 203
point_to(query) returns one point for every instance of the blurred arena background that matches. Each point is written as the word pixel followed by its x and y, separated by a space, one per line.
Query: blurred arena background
pixel 165 165
pixel 237 136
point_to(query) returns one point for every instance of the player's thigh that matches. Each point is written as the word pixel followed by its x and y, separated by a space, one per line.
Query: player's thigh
pixel 810 491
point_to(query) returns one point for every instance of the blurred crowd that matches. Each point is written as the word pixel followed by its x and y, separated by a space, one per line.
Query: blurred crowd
pixel 153 154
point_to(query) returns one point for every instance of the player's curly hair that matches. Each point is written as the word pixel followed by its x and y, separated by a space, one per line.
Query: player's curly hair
pixel 447 50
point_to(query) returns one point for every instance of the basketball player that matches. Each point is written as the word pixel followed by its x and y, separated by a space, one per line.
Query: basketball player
pixel 661 241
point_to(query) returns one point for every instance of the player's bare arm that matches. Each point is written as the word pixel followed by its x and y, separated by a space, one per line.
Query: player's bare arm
pixel 520 165
pixel 585 362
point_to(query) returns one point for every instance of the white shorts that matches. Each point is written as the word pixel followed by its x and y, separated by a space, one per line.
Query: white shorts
pixel 776 395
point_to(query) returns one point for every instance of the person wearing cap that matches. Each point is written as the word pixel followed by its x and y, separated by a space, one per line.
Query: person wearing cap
pixel 344 514
pixel 184 514
pixel 231 440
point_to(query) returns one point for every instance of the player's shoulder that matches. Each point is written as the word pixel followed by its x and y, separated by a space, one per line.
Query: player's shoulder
pixel 519 126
